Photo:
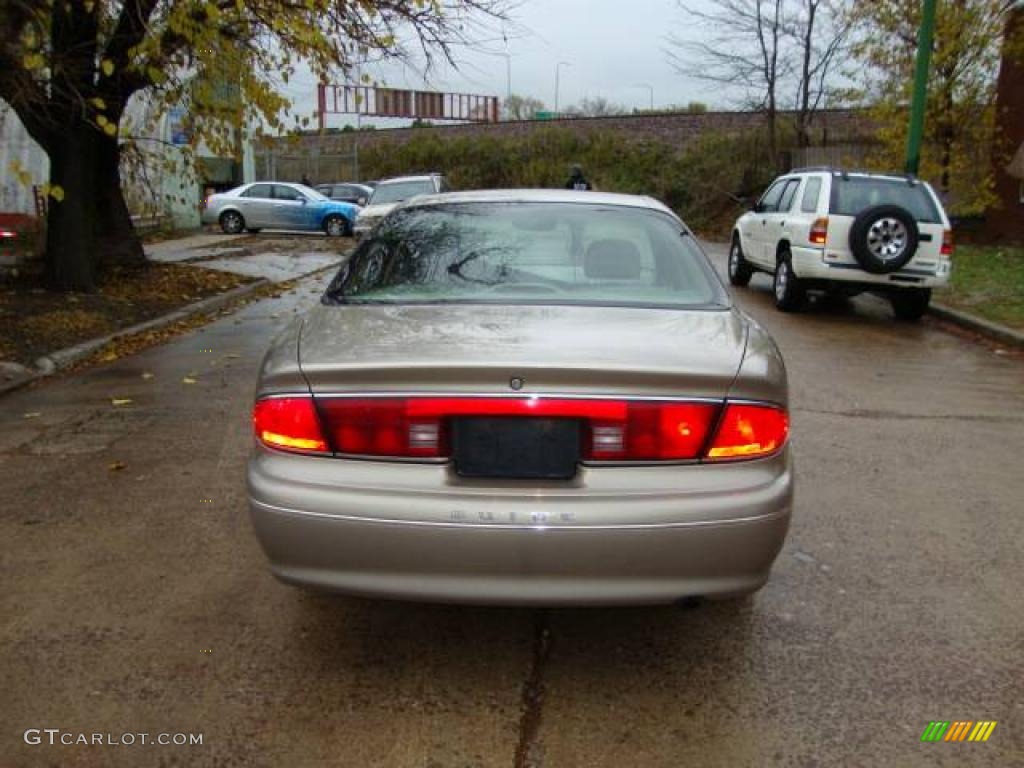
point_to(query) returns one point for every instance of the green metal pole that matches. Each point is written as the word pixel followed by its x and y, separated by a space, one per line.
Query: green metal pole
pixel 925 36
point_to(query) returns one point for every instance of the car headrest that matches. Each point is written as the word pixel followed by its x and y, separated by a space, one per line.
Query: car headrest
pixel 612 260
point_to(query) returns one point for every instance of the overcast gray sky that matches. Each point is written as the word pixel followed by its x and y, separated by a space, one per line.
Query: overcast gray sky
pixel 611 48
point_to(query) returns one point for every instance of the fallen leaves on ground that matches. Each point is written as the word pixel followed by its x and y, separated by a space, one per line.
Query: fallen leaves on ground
pixel 188 380
pixel 34 322
pixel 121 401
pixel 115 466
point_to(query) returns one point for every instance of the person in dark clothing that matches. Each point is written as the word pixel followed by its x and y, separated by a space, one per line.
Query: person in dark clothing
pixel 577 180
pixel 305 181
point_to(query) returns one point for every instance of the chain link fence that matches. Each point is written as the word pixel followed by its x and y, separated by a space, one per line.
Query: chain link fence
pixel 275 165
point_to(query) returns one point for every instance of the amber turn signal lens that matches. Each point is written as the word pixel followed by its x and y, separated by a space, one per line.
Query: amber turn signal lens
pixel 289 424
pixel 749 431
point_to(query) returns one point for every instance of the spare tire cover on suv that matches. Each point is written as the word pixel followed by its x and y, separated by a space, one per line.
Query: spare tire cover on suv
pixel 883 238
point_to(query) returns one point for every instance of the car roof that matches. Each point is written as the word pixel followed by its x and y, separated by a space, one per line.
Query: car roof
pixel 417 177
pixel 542 196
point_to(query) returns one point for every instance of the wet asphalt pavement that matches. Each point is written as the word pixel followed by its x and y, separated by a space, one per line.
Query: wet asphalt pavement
pixel 136 599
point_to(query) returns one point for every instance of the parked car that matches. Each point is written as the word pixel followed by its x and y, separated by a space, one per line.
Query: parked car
pixel 846 232
pixel 278 205
pixel 390 192
pixel 349 192
pixel 535 397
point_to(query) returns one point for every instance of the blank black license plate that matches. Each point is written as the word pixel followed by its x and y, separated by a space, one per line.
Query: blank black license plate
pixel 515 447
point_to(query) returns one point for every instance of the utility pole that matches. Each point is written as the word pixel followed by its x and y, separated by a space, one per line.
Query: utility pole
pixel 558 68
pixel 925 36
pixel 650 89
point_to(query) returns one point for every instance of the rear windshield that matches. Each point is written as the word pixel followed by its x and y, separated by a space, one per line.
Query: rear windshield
pixel 401 190
pixel 552 253
pixel 852 195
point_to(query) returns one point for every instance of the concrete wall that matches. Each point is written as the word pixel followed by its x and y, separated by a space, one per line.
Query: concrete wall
pixel 19 150
pixel 333 154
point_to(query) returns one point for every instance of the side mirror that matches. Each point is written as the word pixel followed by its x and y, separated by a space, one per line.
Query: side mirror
pixel 361 201
pixel 756 207
pixel 303 200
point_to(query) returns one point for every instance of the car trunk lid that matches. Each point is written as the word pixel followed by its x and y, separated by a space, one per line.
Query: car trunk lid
pixel 498 348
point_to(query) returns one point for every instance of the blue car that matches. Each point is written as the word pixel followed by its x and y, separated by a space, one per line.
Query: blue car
pixel 278 205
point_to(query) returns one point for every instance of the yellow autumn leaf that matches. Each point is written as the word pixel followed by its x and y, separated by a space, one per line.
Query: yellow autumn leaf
pixel 101 120
pixel 107 66
pixel 121 401
pixel 98 102
pixel 188 380
pixel 57 192
pixel 33 61
pixel 110 129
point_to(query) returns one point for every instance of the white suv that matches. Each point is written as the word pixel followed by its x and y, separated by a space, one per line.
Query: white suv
pixel 844 232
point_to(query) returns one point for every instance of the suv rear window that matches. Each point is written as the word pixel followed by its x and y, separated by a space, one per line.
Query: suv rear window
pixel 854 194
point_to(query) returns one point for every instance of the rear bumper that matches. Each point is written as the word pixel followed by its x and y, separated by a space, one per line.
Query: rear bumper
pixel 813 264
pixel 598 542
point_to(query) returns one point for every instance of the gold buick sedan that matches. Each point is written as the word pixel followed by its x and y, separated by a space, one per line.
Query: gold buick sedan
pixel 524 397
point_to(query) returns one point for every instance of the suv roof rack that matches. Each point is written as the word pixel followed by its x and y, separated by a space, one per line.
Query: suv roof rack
pixel 845 172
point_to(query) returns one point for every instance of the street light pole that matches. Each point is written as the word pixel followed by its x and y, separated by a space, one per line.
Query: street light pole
pixel 508 76
pixel 558 68
pixel 917 107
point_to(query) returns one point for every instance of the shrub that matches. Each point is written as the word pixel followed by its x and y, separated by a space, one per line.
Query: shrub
pixel 701 180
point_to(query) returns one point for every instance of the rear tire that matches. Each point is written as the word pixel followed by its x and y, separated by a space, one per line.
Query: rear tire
pixel 740 271
pixel 787 288
pixel 910 304
pixel 231 222
pixel 336 226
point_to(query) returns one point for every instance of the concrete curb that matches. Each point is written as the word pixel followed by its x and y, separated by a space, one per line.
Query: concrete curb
pixel 49 364
pixel 978 325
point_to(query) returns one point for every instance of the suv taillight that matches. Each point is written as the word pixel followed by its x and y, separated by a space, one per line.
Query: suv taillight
pixel 613 429
pixel 819 231
pixel 947 243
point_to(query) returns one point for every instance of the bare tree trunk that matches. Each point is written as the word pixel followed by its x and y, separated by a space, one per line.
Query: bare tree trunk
pixel 117 240
pixel 803 134
pixel 71 221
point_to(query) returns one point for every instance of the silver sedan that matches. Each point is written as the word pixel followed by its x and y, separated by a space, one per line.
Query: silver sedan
pixel 278 205
pixel 537 397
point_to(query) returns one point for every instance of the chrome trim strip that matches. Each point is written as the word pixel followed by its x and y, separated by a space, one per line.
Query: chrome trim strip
pixel 540 527
pixel 513 395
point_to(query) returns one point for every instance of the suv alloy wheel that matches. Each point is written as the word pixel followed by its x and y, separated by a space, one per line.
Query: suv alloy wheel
pixel 788 289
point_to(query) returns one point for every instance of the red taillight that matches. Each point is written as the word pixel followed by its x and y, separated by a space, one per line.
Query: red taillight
pixel 8 233
pixel 613 429
pixel 651 431
pixel 749 431
pixel 290 424
pixel 947 243
pixel 819 231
